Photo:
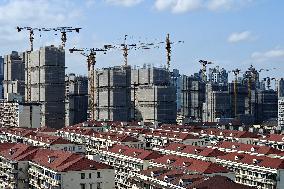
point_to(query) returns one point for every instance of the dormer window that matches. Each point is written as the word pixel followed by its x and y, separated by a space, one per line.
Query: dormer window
pixel 233 146
pixel 169 161
pixel 51 159
pixel 252 149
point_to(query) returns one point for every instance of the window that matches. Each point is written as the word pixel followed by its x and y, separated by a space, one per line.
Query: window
pixel 91 186
pixel 82 175
pixel 82 186
pixel 90 175
pixel 98 174
pixel 99 185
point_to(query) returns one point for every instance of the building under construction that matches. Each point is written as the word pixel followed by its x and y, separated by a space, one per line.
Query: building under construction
pixel 14 113
pixel 111 94
pixel 217 103
pixel 14 74
pixel 76 102
pixel 153 95
pixel 45 83
pixel 192 98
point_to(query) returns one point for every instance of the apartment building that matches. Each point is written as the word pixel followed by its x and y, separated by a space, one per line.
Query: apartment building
pixel 252 170
pixel 192 166
pixel 161 137
pixel 176 179
pixel 126 162
pixel 39 139
pixel 226 146
pixel 23 166
pixel 217 135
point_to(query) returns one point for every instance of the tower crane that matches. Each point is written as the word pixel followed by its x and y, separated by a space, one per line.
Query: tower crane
pixel 236 72
pixel 32 31
pixel 268 81
pixel 204 64
pixel 126 47
pixel 90 54
pixel 62 30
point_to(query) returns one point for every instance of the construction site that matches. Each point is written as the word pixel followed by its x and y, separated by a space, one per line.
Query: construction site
pixel 129 93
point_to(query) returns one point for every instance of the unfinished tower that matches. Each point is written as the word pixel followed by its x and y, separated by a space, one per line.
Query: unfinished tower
pixel 14 74
pixel 112 95
pixel 76 102
pixel 45 83
pixel 153 95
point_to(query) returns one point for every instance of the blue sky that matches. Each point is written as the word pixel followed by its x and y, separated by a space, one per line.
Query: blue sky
pixel 231 33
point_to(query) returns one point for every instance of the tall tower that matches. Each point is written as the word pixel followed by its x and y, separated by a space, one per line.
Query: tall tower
pixel 14 73
pixel 45 83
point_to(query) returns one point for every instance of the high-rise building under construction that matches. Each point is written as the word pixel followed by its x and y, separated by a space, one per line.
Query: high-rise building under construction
pixel 45 83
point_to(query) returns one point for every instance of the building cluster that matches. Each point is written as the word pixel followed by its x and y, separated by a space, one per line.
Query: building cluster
pixel 136 155
pixel 35 86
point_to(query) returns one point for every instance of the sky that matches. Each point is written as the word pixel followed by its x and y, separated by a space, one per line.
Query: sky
pixel 230 33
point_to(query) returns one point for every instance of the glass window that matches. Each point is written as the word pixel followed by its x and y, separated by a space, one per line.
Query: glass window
pixel 82 186
pixel 82 175
pixel 98 174
pixel 90 175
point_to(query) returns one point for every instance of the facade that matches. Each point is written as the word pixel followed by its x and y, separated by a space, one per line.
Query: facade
pixel 29 167
pixel 76 102
pixel 281 113
pixel 267 103
pixel 1 77
pixel 217 103
pixel 280 87
pixel 20 114
pixel 218 76
pixel 153 95
pixel 45 73
pixel 126 162
pixel 112 94
pixel 192 98
pixel 14 74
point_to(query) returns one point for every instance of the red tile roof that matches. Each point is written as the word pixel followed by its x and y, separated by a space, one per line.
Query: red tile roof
pixel 217 182
pixel 134 152
pixel 248 148
pixel 262 161
pixel 60 161
pixel 191 164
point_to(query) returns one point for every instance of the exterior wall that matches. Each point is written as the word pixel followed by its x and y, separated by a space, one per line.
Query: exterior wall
pixel 112 94
pixel 157 104
pixel 46 82
pixel 72 180
pixel 281 113
pixel 192 98
pixel 14 73
pixel 76 102
pixel 14 114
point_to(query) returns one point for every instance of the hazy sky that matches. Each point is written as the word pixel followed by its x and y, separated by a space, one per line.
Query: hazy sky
pixel 231 33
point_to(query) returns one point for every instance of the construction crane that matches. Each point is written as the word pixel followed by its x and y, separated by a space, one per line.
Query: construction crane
pixel 62 30
pixel 236 73
pixel 32 31
pixel 90 53
pixel 204 64
pixel 126 47
pixel 268 81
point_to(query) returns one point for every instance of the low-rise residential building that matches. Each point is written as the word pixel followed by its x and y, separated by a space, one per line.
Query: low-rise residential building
pixel 217 135
pixel 161 137
pixel 38 138
pixel 247 149
pixel 126 161
pixel 155 178
pixel 23 167
pixel 259 171
pixel 192 166
pixel 272 140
